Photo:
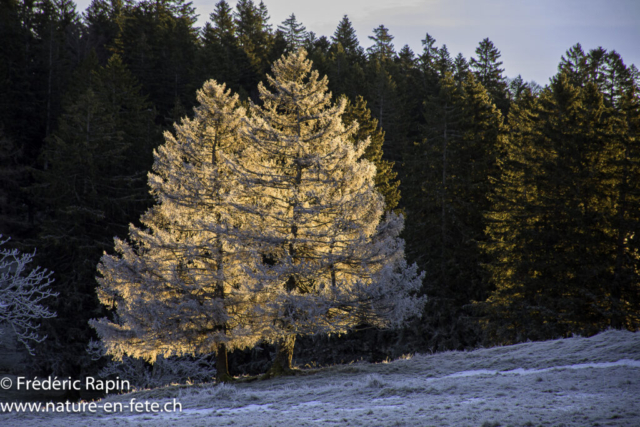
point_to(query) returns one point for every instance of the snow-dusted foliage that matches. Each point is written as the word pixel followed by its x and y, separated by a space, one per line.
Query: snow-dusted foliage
pixel 180 286
pixel 266 226
pixel 332 259
pixel 164 372
pixel 21 294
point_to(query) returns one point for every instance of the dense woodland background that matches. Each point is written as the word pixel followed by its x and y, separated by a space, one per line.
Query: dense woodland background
pixel 522 202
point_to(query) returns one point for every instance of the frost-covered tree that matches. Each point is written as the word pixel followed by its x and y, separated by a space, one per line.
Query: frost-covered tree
pixel 331 260
pixel 21 295
pixel 179 286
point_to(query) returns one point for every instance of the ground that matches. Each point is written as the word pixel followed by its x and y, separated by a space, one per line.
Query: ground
pixel 571 382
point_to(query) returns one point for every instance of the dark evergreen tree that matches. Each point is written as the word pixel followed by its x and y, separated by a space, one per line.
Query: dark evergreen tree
pixel 444 63
pixel 221 57
pixel 318 48
pixel 429 69
pixel 93 187
pixel 39 49
pixel 345 34
pixel 460 67
pixel 101 22
pixel 382 92
pixel 557 237
pixel 13 174
pixel 516 87
pixel 19 105
pixel 256 40
pixel 445 195
pixel 345 61
pixel 488 72
pixel 429 56
pixel 624 295
pixel 157 41
pixel 385 180
pixel 410 95
pixel 294 33
pixel 264 15
pixel 57 25
pixel 382 48
pixel 574 65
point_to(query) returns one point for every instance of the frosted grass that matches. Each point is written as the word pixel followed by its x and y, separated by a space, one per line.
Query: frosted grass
pixel 570 382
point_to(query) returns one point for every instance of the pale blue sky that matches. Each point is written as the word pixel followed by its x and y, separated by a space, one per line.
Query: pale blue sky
pixel 532 35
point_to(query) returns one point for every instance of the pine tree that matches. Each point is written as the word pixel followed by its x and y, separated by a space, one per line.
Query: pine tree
pixel 444 63
pixel 158 42
pixel 13 174
pixel 91 189
pixel 221 57
pixel 180 286
pixel 382 48
pixel 346 61
pixel 21 77
pixel 429 56
pixel 40 48
pixel 385 180
pixel 446 192
pixel 264 15
pixel 556 234
pixel 409 115
pixel 623 293
pixel 460 65
pixel 255 39
pixel 294 33
pixel 488 72
pixel 460 68
pixel 516 87
pixel 619 88
pixel 330 261
pixel 101 22
pixel 319 50
pixel 574 65
pixel 382 90
pixel 345 34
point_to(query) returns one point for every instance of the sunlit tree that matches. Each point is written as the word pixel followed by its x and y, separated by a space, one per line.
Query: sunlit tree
pixel 331 259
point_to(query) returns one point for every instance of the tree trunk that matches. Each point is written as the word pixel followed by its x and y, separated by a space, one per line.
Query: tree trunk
pixel 284 354
pixel 222 365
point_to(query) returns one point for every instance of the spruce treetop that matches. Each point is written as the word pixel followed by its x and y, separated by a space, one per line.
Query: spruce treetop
pixel 294 32
pixel 429 52
pixel 223 23
pixel 487 66
pixel 345 34
pixel 382 48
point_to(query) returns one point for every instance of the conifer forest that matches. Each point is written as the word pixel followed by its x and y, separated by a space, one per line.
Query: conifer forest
pixel 259 196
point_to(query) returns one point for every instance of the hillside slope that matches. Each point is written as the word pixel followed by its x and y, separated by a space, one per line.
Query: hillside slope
pixel 570 382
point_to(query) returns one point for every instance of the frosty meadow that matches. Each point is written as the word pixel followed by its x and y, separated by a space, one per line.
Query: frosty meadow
pixel 572 382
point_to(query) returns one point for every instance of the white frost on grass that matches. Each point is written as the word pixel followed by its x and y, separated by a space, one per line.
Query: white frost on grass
pixel 571 382
pixel 522 371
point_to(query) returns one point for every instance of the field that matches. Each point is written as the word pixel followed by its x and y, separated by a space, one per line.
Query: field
pixel 571 382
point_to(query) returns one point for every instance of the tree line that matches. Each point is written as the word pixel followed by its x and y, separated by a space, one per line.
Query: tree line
pixel 521 201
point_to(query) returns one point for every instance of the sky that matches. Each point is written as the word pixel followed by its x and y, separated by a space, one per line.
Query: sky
pixel 532 35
